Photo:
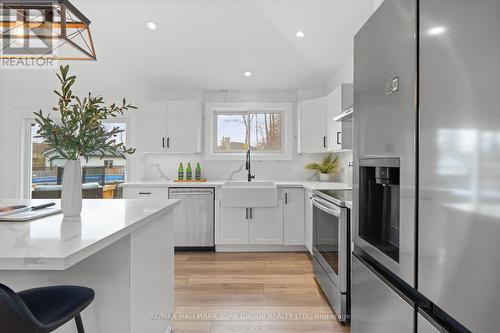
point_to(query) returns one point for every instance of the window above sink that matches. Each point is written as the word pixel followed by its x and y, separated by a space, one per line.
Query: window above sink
pixel 233 128
pixel 237 132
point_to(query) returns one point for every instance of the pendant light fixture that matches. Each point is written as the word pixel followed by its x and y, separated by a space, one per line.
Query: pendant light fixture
pixel 48 29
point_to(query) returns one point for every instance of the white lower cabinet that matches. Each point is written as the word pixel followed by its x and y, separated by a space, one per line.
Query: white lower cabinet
pixel 249 226
pixel 145 193
pixel 281 225
pixel 266 225
pixel 231 225
pixel 294 222
pixel 309 220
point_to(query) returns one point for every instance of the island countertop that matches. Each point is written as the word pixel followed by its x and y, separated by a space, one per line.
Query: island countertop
pixel 52 243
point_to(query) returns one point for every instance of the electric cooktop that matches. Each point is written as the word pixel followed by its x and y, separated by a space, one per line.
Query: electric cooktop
pixel 338 197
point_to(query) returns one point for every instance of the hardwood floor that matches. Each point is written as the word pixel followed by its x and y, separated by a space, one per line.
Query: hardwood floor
pixel 249 292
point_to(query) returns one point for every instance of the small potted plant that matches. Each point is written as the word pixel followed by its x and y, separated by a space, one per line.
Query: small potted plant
pixel 328 166
pixel 79 133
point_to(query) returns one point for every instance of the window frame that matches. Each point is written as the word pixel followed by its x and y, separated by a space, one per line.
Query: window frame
pixel 214 109
pixel 27 145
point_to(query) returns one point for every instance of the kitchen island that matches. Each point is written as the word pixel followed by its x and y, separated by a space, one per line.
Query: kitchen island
pixel 123 249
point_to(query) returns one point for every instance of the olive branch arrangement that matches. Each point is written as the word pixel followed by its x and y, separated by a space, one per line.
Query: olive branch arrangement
pixel 80 133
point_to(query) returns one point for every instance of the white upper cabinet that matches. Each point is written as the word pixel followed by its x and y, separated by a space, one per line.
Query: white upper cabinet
pixel 318 133
pixel 183 134
pixel 339 133
pixel 168 127
pixel 149 127
pixel 313 131
pixel 340 99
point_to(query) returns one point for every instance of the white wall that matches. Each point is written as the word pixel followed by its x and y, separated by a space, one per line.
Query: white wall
pixel 346 75
pixel 24 91
pixel 153 166
pixel 3 142
pixel 15 107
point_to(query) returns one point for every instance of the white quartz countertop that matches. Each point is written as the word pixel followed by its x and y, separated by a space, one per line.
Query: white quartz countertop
pixel 219 183
pixel 52 243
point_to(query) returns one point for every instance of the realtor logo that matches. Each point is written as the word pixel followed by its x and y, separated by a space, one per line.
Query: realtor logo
pixel 37 34
pixel 27 37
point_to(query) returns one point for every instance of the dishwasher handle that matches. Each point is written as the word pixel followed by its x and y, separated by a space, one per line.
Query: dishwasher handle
pixel 191 192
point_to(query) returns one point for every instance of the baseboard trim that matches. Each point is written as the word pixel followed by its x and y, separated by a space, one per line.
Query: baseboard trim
pixel 179 249
pixel 260 248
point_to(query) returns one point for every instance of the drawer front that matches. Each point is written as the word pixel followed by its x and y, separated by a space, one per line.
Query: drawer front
pixel 337 300
pixel 145 193
pixel 375 307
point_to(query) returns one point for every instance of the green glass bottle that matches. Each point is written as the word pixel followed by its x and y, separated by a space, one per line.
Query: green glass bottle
pixel 189 172
pixel 180 172
pixel 197 171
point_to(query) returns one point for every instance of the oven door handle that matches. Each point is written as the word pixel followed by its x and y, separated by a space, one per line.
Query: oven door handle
pixel 321 206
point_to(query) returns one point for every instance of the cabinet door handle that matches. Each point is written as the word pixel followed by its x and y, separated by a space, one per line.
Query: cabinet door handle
pixel 251 213
pixel 246 213
pixel 338 137
pixel 286 198
pixel 324 142
pixel 145 193
pixel 168 142
pixel 163 142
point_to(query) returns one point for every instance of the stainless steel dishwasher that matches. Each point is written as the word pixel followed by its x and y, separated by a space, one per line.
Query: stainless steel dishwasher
pixel 194 225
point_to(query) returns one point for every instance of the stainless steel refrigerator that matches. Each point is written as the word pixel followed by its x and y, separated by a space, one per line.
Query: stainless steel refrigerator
pixel 426 215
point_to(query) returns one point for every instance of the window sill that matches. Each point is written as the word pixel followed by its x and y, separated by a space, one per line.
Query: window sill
pixel 254 156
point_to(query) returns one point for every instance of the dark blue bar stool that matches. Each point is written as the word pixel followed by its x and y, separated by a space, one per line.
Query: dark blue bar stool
pixel 42 310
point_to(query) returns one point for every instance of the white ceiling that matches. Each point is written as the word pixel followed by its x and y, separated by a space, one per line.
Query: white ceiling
pixel 208 44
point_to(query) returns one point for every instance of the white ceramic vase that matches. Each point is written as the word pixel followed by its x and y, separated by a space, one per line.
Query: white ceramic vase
pixel 324 177
pixel 71 199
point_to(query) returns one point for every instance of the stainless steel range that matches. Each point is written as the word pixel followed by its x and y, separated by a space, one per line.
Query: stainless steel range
pixel 331 248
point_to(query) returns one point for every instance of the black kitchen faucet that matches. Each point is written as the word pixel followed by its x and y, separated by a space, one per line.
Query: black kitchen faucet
pixel 247 166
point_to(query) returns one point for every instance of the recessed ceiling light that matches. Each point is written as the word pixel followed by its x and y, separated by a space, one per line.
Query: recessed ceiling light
pixel 151 25
pixel 300 34
pixel 248 74
pixel 436 31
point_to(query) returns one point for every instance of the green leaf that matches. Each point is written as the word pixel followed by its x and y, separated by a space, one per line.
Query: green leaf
pixel 80 132
pixel 329 164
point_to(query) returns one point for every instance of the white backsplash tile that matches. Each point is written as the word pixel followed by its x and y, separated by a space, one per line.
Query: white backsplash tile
pixel 345 172
pixel 162 166
pixel 158 166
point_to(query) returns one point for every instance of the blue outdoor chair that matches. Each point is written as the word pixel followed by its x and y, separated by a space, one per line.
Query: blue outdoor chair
pixel 42 310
